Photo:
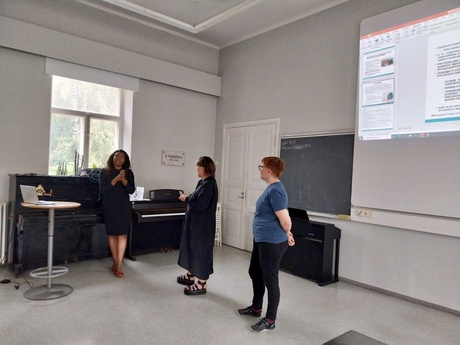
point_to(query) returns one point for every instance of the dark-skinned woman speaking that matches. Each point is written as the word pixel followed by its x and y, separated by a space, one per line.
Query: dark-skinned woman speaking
pixel 116 182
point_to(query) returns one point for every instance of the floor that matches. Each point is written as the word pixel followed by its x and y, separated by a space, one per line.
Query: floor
pixel 147 306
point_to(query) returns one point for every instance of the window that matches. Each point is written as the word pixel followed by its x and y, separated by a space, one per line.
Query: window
pixel 86 125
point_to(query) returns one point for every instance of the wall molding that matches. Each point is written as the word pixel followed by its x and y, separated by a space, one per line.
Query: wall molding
pixel 38 40
pixel 400 296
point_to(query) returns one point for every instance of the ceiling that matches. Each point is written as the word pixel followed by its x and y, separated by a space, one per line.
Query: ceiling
pixel 217 23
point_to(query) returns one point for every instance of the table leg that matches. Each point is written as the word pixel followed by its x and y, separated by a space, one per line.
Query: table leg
pixel 50 245
pixel 49 291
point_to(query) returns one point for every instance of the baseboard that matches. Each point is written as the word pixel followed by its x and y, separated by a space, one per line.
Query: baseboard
pixel 402 297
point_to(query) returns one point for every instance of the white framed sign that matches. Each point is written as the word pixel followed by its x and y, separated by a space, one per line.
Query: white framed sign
pixel 172 157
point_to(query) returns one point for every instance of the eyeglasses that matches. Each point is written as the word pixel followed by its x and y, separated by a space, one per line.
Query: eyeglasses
pixel 261 167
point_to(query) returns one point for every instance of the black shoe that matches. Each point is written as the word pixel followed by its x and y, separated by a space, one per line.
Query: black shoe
pixel 249 311
pixel 196 289
pixel 186 279
pixel 262 325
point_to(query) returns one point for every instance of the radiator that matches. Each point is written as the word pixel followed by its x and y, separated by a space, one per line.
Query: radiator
pixel 3 230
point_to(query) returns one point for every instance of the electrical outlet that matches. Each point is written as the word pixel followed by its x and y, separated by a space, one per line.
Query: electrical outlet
pixel 368 214
pixel 365 213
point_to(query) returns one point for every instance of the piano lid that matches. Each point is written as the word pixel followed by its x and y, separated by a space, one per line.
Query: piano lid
pixel 298 213
pixel 165 195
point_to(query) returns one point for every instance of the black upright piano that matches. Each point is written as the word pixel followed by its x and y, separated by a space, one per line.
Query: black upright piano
pixel 315 255
pixel 156 224
pixel 79 233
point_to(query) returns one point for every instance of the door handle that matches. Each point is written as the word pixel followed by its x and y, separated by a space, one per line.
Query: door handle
pixel 242 196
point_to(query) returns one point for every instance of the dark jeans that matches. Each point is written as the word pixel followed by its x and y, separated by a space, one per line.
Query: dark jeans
pixel 264 271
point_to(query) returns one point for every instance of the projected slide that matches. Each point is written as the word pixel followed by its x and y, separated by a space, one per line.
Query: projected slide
pixel 409 79
pixel 443 77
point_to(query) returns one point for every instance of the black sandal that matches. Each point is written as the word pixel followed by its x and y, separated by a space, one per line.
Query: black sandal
pixel 186 279
pixel 196 289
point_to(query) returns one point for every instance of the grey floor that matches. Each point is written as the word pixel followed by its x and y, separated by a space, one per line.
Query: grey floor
pixel 147 306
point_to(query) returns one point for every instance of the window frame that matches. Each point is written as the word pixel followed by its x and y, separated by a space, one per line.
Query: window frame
pixel 88 116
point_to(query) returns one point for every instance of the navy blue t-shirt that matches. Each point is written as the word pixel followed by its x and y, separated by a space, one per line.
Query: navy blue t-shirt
pixel 266 226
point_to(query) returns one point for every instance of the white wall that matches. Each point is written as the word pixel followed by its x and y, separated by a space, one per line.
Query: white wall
pixel 25 96
pixel 164 115
pixel 79 20
pixel 305 73
pixel 168 118
pixel 418 265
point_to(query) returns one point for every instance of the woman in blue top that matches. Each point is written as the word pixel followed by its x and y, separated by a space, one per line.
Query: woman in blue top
pixel 272 236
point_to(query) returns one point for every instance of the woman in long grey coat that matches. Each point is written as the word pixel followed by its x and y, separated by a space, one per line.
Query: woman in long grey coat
pixel 197 243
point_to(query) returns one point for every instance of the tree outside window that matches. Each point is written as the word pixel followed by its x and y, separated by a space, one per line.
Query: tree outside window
pixel 85 125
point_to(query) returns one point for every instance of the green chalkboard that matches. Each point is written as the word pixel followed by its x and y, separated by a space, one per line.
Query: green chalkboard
pixel 318 172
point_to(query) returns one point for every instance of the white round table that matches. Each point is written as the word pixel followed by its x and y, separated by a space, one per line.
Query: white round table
pixel 50 291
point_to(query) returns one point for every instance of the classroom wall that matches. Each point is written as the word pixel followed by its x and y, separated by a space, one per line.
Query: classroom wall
pixel 25 97
pixel 79 20
pixel 163 114
pixel 168 118
pixel 305 73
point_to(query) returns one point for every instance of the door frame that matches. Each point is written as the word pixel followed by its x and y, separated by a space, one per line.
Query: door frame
pixel 275 121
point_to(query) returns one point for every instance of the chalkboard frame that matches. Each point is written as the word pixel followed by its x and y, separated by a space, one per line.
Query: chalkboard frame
pixel 318 172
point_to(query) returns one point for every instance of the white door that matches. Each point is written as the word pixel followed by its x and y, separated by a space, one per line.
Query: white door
pixel 243 147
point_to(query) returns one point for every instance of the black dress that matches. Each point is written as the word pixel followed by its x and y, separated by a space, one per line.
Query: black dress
pixel 197 243
pixel 115 201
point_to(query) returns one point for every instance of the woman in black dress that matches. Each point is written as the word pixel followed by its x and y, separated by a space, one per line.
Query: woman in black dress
pixel 116 182
pixel 197 243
